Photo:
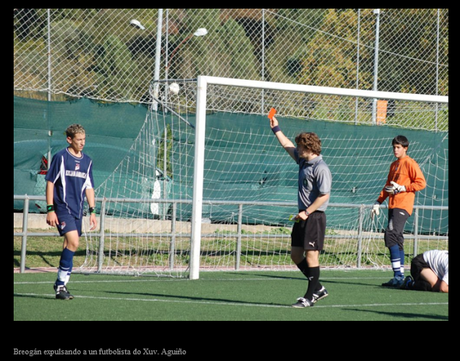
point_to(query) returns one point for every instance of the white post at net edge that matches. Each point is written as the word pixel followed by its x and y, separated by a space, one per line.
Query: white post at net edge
pixel 198 171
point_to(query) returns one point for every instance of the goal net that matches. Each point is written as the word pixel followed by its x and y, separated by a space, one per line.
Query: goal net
pixel 206 185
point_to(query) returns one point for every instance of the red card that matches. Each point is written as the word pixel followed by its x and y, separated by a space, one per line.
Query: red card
pixel 271 113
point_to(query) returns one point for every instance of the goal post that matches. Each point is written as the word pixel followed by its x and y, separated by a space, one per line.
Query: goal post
pixel 198 173
pixel 200 134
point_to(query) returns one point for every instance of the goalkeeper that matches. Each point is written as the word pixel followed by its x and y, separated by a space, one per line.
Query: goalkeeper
pixel 314 187
pixel 404 179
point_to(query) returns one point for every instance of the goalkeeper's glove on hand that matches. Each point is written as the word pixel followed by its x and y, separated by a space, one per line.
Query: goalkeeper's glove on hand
pixel 395 188
pixel 375 211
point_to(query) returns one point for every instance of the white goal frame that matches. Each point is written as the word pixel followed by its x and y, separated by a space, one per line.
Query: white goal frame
pixel 202 85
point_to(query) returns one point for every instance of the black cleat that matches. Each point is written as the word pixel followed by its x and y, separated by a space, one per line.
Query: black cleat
pixel 302 303
pixel 322 293
pixel 62 293
pixel 408 283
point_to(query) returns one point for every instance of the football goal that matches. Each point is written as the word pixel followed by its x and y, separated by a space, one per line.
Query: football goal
pixel 206 186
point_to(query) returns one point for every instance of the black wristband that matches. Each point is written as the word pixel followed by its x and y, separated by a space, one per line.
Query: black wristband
pixel 92 210
pixel 276 129
pixel 50 208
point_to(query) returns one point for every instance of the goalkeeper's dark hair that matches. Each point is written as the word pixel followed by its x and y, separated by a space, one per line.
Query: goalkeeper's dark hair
pixel 402 140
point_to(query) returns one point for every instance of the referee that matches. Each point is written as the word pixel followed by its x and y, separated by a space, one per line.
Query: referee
pixel 314 187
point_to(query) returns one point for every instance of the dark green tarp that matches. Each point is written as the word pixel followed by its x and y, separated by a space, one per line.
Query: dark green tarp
pixel 243 160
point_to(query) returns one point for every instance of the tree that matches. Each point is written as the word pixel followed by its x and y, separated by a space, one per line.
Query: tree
pixel 115 69
pixel 329 59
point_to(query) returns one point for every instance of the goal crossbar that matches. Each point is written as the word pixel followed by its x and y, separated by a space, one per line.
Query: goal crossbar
pixel 322 89
pixel 202 85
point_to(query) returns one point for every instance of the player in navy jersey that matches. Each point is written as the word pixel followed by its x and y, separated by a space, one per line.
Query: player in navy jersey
pixel 69 180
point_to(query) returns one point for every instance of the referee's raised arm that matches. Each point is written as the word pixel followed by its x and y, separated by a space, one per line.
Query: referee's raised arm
pixel 284 141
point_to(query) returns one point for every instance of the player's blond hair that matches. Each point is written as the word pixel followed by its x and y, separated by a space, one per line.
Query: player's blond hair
pixel 74 129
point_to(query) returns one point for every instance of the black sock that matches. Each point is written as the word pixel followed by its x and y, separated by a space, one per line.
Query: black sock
pixel 303 267
pixel 313 282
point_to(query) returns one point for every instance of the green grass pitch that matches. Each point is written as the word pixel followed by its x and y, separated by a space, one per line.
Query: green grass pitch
pixel 234 296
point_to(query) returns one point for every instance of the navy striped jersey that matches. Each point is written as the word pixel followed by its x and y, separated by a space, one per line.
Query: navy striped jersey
pixel 71 175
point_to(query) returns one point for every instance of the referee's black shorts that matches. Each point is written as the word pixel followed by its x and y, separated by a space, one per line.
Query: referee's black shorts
pixel 309 234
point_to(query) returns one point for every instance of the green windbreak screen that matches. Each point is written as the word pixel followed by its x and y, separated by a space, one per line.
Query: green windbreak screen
pixel 39 127
pixel 243 159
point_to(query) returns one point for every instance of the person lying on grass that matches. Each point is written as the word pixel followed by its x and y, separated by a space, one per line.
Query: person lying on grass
pixel 429 272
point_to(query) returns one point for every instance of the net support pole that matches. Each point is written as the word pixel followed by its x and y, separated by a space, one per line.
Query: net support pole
pixel 360 236
pixel 198 171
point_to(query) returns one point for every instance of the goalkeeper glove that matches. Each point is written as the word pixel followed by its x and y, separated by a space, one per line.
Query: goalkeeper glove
pixel 395 188
pixel 375 211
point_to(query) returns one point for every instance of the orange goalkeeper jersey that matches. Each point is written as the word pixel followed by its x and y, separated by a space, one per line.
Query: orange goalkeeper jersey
pixel 405 172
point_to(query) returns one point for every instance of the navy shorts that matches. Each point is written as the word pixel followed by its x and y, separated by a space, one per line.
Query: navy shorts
pixel 309 234
pixel 68 223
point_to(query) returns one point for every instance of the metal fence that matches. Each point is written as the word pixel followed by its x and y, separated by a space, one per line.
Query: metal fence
pixel 356 234
pixel 113 54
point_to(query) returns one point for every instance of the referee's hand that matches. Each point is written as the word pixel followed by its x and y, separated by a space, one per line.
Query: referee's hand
pixel 273 122
pixel 302 216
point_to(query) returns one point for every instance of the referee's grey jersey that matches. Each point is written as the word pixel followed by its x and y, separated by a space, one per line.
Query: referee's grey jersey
pixel 315 178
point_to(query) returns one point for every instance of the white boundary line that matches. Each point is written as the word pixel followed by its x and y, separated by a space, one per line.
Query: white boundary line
pixel 224 303
pixel 201 279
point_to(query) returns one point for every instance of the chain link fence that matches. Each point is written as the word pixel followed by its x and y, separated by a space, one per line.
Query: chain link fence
pixel 117 55
pixel 103 54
